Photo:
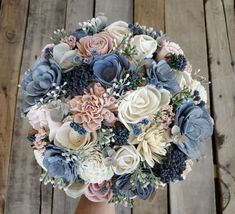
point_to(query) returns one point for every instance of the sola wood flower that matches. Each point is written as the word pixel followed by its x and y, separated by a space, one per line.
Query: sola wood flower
pixel 99 192
pixel 101 44
pixel 68 138
pixel 151 144
pixel 127 160
pixel 93 168
pixel 93 108
pixel 141 104
pixel 169 47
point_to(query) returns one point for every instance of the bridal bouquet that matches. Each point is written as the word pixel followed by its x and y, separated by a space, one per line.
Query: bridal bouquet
pixel 116 111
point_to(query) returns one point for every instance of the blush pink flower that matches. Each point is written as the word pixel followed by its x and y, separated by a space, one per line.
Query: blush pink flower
pixel 168 47
pixel 101 43
pixel 40 118
pixel 99 192
pixel 93 108
pixel 70 40
pixel 39 143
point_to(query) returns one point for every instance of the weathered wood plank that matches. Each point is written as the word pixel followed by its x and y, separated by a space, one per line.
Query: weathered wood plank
pixel 185 25
pixel 150 13
pixel 46 192
pixel 62 204
pixel 24 186
pixel 229 9
pixel 12 27
pixel 77 10
pixel 116 10
pixel 221 46
pixel 153 17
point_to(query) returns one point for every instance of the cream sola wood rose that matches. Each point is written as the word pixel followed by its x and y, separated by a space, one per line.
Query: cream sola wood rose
pixel 127 160
pixel 116 111
pixel 141 104
pixel 67 137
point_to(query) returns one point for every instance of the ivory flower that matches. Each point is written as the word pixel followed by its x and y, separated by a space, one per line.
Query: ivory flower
pixel 145 46
pixel 68 138
pixel 141 104
pixel 118 30
pixel 64 56
pixel 151 144
pixel 93 168
pixel 126 159
pixel 75 190
pixel 184 79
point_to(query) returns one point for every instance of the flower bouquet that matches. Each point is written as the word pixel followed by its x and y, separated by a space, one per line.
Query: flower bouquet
pixel 116 111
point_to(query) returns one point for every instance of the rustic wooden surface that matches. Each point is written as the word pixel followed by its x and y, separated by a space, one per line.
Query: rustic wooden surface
pixel 221 34
pixel 204 28
pixel 13 16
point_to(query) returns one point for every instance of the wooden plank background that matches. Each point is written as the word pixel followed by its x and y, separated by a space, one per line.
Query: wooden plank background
pixel 205 29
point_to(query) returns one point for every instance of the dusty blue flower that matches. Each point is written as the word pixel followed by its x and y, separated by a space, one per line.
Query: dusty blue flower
pixel 57 166
pixel 37 83
pixel 78 34
pixel 162 73
pixel 123 185
pixel 144 192
pixel 196 125
pixel 109 68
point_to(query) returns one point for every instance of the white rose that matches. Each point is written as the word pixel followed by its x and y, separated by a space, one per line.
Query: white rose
pixel 184 79
pixel 93 168
pixel 118 30
pixel 64 56
pixel 141 104
pixel 145 46
pixel 151 144
pixel 68 138
pixel 39 158
pixel 127 160
pixel 75 190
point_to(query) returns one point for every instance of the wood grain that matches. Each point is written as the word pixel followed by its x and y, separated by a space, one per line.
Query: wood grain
pixel 229 10
pixel 12 27
pixel 220 45
pixel 116 10
pixel 24 186
pixel 153 17
pixel 77 11
pixel 150 13
pixel 185 24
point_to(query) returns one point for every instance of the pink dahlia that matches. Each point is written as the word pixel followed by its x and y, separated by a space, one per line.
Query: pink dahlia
pixel 93 108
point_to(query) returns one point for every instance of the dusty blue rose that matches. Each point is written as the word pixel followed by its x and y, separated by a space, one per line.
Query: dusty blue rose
pixel 109 68
pixel 161 73
pixel 123 185
pixel 57 166
pixel 196 125
pixel 144 192
pixel 38 82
